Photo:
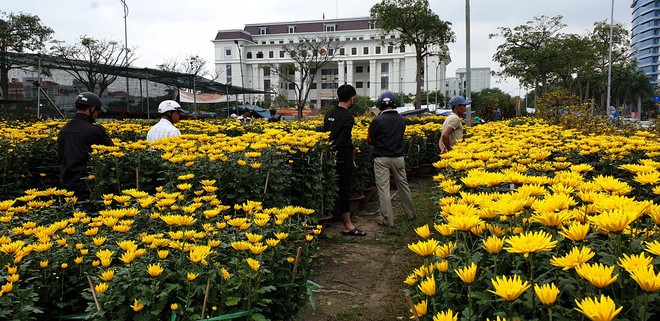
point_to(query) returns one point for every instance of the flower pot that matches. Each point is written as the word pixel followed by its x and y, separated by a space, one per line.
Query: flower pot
pixel 426 170
pixel 369 193
pixel 412 172
pixel 354 203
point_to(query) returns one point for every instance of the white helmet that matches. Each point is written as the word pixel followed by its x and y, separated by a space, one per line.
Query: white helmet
pixel 168 105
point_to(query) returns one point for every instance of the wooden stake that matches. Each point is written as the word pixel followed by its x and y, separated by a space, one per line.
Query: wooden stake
pixel 266 185
pixel 412 306
pixel 137 178
pixel 206 296
pixel 295 265
pixel 91 286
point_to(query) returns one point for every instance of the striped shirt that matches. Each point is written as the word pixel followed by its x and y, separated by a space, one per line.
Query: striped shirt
pixel 162 129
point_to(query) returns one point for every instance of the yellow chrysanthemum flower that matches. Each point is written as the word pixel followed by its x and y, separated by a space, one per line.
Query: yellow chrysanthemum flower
pixel 493 244
pixel 446 316
pixel 424 248
pixel 530 242
pixel 634 261
pixel 574 258
pixel 595 310
pixel 547 293
pixel 107 275
pixel 597 274
pixel 423 231
pixel 575 232
pixel 653 247
pixel 154 270
pixel 467 273
pixel 137 306
pixel 646 278
pixel 101 287
pixel 428 286
pixel 420 308
pixel 509 289
pixel 254 264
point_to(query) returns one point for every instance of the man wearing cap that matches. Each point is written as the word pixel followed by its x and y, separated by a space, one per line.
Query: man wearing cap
pixel 74 144
pixel 170 114
pixel 452 127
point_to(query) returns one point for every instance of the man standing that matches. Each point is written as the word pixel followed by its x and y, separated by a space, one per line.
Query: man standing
pixel 452 127
pixel 386 135
pixel 339 122
pixel 170 114
pixel 74 144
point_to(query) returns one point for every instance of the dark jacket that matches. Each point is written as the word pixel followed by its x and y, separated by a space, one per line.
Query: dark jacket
pixel 339 122
pixel 74 145
pixel 386 134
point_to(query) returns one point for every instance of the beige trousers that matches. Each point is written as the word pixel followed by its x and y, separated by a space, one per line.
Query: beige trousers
pixel 384 167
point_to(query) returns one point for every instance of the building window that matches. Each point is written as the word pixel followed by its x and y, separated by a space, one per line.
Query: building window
pixel 365 50
pixel 263 42
pixel 342 51
pixel 272 42
pixel 281 41
pixel 402 49
pixel 359 84
pixel 390 49
pixel 228 72
pixel 353 51
pixel 384 82
pixel 260 55
pixel 312 85
pixel 331 52
pixel 292 29
pixel 271 54
pixel 266 72
pixel 263 30
pixel 372 24
pixel 378 50
pixel 281 53
pixel 361 38
pixel 368 84
pixel 249 55
pixel 359 69
pixel 291 86
pixel 330 28
pixel 384 68
pixel 228 52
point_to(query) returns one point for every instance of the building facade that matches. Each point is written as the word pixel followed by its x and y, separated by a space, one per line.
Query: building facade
pixel 364 59
pixel 480 80
pixel 646 36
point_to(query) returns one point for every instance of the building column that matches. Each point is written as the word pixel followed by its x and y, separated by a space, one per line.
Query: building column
pixel 349 72
pixel 373 76
pixel 340 72
pixel 395 84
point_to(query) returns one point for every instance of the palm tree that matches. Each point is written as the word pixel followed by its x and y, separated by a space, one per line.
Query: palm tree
pixel 633 84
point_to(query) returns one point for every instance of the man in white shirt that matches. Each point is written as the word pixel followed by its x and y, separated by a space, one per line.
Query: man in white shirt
pixel 170 114
pixel 452 127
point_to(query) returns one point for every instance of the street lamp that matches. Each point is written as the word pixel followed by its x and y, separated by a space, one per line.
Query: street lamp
pixel 126 50
pixel 468 71
pixel 194 68
pixel 240 61
pixel 609 64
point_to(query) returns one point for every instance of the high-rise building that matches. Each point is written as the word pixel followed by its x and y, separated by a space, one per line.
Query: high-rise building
pixel 480 79
pixel 646 36
pixel 365 59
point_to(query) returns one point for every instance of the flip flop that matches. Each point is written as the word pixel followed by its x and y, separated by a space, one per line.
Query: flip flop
pixel 354 232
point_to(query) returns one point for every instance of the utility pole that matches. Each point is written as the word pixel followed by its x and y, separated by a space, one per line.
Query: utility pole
pixel 240 61
pixel 609 64
pixel 468 72
pixel 126 52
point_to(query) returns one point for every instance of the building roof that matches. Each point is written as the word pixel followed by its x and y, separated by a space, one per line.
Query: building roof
pixel 274 28
pixel 170 78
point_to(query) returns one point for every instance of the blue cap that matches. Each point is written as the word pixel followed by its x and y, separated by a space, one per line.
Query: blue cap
pixel 459 100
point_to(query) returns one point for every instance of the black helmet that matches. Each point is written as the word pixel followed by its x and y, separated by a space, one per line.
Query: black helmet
pixel 89 99
pixel 386 99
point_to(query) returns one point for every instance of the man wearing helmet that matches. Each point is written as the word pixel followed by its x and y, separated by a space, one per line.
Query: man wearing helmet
pixel 386 135
pixel 74 144
pixel 170 114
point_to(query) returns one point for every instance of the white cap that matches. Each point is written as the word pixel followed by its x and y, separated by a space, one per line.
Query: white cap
pixel 168 105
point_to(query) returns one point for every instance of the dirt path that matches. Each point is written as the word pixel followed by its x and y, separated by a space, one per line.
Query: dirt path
pixel 362 278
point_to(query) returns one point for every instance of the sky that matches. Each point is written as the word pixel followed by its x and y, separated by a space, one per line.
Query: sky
pixel 165 30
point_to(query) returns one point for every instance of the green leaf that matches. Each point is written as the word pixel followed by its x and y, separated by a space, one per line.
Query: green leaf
pixel 231 301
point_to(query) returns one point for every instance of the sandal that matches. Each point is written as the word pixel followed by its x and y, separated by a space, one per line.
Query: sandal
pixel 354 232
pixel 384 223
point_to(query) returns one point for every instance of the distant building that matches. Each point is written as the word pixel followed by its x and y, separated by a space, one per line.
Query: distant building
pixel 365 60
pixel 457 85
pixel 646 36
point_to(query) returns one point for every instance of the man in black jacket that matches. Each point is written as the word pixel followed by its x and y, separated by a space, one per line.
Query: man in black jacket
pixel 339 122
pixel 74 144
pixel 386 135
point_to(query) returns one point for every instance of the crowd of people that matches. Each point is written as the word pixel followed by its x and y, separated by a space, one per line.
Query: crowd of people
pixel 385 134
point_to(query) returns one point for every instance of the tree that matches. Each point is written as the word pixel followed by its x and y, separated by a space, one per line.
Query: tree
pixel 530 52
pixel 490 99
pixel 417 26
pixel 309 56
pixel 97 55
pixel 19 33
pixel 191 64
pixel 631 84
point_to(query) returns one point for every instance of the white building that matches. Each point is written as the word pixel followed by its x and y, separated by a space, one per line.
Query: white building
pixel 365 60
pixel 456 85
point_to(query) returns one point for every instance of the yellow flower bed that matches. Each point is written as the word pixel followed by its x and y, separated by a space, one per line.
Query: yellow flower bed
pixel 572 216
